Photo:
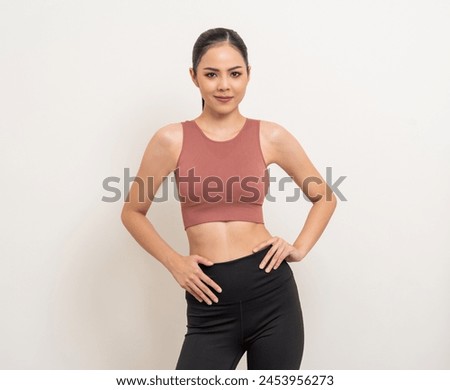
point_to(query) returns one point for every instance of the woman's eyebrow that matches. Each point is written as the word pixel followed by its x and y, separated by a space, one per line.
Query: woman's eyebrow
pixel 217 70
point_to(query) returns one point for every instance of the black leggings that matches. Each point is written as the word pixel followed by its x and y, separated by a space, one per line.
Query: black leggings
pixel 258 313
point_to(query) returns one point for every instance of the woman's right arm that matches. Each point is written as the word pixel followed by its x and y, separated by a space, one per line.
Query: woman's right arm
pixel 158 161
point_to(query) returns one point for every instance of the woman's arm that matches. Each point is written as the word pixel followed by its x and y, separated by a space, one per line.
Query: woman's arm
pixel 159 160
pixel 286 151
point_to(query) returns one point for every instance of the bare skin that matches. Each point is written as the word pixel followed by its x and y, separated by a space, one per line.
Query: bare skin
pixel 215 242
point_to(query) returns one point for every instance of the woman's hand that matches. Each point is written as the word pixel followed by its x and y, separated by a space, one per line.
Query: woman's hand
pixel 191 277
pixel 280 250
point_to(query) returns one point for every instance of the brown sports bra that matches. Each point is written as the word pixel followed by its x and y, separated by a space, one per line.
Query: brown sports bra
pixel 221 180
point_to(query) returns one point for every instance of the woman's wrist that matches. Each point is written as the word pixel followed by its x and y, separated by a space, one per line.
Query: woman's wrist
pixel 172 260
pixel 301 250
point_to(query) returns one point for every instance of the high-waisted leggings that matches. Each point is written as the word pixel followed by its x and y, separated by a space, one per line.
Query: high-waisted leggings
pixel 258 312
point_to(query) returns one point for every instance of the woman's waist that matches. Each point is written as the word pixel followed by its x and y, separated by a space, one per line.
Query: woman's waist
pixel 226 241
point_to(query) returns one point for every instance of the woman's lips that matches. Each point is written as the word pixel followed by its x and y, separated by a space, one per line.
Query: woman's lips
pixel 224 99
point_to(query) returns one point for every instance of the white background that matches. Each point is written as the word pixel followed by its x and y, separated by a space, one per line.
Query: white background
pixel 363 85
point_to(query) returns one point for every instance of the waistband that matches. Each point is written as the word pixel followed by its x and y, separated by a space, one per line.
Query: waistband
pixel 242 279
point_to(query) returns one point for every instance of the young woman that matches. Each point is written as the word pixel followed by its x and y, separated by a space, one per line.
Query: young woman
pixel 240 290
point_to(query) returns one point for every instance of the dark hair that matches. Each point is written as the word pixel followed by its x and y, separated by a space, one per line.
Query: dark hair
pixel 215 36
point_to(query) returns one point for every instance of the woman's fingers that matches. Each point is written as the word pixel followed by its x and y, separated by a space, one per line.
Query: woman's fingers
pixel 204 284
pixel 276 254
pixel 190 291
pixel 192 278
pixel 205 278
pixel 264 244
pixel 267 257
pixel 198 285
pixel 281 254
pixel 204 293
pixel 203 260
pixel 210 282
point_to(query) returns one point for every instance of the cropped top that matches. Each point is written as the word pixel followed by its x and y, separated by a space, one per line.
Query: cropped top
pixel 221 180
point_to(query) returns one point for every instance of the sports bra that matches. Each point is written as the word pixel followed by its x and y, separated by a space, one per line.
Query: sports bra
pixel 221 180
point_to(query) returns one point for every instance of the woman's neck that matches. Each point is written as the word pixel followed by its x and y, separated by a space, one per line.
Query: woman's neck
pixel 214 121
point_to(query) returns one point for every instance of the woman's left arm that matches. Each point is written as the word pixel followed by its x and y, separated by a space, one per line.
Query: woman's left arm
pixel 287 152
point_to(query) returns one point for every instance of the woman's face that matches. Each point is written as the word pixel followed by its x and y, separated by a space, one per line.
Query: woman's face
pixel 222 78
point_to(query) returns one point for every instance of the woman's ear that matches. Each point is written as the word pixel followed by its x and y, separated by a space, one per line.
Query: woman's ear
pixel 193 76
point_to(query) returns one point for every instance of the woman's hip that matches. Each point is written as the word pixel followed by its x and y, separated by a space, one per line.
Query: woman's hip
pixel 241 279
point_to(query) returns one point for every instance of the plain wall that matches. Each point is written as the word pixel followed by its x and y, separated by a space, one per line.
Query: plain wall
pixel 364 87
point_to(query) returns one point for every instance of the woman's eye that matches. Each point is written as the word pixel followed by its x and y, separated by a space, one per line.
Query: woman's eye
pixel 210 75
pixel 235 74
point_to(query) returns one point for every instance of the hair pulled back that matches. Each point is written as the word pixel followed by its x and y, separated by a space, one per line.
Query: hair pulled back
pixel 213 37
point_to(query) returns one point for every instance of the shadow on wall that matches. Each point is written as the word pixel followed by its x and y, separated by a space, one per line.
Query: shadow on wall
pixel 115 306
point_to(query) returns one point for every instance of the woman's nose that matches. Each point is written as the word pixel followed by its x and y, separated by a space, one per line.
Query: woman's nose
pixel 223 84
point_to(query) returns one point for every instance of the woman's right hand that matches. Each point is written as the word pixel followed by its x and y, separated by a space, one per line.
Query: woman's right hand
pixel 191 277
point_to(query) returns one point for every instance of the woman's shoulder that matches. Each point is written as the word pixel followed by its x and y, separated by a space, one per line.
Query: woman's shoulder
pixel 273 131
pixel 274 139
pixel 169 135
pixel 170 130
pixel 166 141
pixel 282 147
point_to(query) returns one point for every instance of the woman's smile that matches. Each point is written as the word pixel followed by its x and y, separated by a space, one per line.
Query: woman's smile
pixel 224 99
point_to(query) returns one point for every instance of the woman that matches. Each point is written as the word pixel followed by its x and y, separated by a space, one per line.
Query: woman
pixel 240 291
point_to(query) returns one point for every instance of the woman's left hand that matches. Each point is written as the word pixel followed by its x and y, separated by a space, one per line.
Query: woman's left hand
pixel 280 250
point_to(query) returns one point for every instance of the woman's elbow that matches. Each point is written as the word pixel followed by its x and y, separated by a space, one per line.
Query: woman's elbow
pixel 129 212
pixel 124 215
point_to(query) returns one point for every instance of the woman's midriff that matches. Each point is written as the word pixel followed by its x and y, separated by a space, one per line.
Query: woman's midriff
pixel 225 241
